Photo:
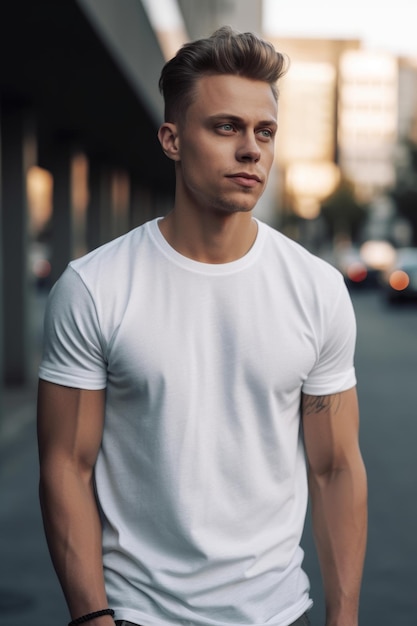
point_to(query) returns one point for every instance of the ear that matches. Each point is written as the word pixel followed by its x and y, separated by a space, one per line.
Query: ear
pixel 169 140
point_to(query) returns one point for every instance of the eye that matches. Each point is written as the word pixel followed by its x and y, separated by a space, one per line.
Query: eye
pixel 266 133
pixel 227 127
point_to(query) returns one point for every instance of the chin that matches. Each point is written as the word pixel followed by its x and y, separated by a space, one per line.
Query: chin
pixel 232 210
pixel 230 207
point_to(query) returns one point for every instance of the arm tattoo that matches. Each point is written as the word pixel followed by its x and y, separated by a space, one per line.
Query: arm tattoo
pixel 320 404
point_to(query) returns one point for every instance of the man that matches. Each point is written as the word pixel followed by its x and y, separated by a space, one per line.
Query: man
pixel 188 366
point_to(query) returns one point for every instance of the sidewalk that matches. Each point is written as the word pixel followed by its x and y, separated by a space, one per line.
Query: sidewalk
pixel 29 591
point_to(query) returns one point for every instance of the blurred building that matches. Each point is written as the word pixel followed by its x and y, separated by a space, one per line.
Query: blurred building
pixel 343 111
pixel 407 99
pixel 307 147
pixel 368 120
pixel 407 122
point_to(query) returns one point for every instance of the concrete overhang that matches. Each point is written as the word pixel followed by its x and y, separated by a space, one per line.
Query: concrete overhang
pixel 88 69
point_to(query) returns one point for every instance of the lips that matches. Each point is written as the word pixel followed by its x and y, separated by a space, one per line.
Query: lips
pixel 245 179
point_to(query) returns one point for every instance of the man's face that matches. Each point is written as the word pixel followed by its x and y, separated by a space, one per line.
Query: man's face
pixel 226 144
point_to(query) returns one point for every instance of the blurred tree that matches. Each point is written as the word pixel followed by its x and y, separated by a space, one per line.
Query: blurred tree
pixel 405 199
pixel 404 193
pixel 342 213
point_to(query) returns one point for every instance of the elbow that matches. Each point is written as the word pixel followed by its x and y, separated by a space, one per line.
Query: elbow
pixel 332 469
pixel 347 482
pixel 61 476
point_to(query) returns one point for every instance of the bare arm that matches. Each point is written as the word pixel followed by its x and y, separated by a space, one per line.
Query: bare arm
pixel 70 427
pixel 337 481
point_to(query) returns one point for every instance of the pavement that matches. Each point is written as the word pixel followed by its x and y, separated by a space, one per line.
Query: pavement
pixel 29 591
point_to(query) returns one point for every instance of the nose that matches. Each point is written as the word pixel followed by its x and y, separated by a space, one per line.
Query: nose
pixel 248 150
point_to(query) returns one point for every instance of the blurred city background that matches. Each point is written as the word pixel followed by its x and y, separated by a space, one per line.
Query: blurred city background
pixel 80 164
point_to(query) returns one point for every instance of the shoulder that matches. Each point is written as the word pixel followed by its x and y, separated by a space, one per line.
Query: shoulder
pixel 115 266
pixel 101 281
pixel 300 266
pixel 107 261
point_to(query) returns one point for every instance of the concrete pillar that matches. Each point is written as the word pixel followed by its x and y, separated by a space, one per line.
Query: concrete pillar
pixel 120 202
pixel 1 281
pixel 142 206
pixel 62 231
pixel 69 221
pixel 18 153
pixel 99 215
pixel 79 203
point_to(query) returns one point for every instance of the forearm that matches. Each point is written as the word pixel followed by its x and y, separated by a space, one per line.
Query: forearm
pixel 340 525
pixel 73 532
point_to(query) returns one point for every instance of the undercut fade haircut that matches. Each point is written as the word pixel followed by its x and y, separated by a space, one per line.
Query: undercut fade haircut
pixel 225 52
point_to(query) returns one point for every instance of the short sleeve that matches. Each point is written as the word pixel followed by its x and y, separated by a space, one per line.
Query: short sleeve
pixel 73 346
pixel 334 369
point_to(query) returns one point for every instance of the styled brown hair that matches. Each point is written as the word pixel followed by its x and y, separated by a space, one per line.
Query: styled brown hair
pixel 225 52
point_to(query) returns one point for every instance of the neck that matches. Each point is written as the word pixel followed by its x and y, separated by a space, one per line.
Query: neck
pixel 210 237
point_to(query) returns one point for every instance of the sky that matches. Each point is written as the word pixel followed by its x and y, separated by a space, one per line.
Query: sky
pixel 382 24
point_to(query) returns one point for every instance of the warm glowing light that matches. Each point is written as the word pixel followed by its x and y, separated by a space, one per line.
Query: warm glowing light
pixel 378 254
pixel 306 207
pixel 39 184
pixel 317 179
pixel 399 280
pixel 309 182
pixel 79 187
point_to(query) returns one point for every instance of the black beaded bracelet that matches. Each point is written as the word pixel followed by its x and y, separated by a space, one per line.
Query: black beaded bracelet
pixel 90 616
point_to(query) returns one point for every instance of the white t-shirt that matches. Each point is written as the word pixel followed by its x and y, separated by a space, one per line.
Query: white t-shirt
pixel 201 476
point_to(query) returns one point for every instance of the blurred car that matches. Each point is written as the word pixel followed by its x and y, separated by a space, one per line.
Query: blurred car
pixel 363 265
pixel 400 280
pixel 355 271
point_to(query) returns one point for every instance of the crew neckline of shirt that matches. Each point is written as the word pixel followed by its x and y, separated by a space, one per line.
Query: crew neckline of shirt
pixel 207 268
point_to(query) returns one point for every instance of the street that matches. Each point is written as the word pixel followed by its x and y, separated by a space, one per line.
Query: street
pixel 386 366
